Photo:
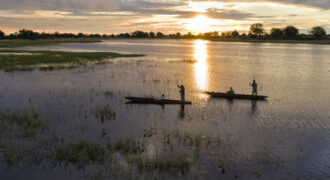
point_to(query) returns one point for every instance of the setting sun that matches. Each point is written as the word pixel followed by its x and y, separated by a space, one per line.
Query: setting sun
pixel 198 24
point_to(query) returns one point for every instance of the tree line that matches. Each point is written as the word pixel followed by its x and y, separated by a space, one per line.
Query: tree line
pixel 256 31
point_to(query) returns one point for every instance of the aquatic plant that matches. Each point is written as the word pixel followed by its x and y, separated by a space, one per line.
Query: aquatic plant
pixel 129 146
pixel 108 93
pixel 20 60
pixel 81 153
pixel 190 61
pixel 28 122
pixel 105 113
pixel 172 166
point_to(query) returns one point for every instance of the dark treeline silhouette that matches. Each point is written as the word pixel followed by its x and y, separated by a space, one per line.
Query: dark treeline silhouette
pixel 256 31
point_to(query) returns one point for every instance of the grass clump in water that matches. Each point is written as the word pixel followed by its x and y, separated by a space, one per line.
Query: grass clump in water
pixel 29 122
pixel 20 60
pixel 129 146
pixel 172 166
pixel 81 153
pixel 105 113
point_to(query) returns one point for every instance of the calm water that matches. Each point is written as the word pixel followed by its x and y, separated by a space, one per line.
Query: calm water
pixel 286 137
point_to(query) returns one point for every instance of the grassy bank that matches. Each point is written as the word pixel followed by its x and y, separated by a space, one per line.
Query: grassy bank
pixel 20 60
pixel 42 42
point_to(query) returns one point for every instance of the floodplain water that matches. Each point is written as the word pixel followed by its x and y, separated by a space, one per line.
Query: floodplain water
pixel 285 137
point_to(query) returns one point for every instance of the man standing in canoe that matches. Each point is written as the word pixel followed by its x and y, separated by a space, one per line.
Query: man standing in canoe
pixel 182 92
pixel 254 88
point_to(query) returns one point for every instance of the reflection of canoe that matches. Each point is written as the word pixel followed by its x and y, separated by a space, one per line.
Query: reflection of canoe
pixel 140 100
pixel 235 96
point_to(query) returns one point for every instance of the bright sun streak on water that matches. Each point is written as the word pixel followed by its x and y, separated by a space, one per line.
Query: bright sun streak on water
pixel 201 67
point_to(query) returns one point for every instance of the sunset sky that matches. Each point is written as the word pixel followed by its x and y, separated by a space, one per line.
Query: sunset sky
pixel 114 16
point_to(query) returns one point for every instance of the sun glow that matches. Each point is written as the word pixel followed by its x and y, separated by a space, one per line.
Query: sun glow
pixel 199 24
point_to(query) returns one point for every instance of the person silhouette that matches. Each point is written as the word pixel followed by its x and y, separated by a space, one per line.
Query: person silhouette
pixel 254 88
pixel 182 92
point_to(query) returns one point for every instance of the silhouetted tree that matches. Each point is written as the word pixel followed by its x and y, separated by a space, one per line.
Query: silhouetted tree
pixel 235 34
pixel 160 34
pixel 318 32
pixel 27 34
pixel 2 35
pixel 151 34
pixel 140 34
pixel 243 36
pixel 81 35
pixel 276 33
pixel 257 29
pixel 189 35
pixel 290 32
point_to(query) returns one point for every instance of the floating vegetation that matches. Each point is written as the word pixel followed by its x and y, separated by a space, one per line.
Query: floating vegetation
pixel 9 156
pixel 171 166
pixel 149 132
pixel 105 113
pixel 190 61
pixel 191 140
pixel 19 60
pixel 81 153
pixel 108 93
pixel 129 146
pixel 29 122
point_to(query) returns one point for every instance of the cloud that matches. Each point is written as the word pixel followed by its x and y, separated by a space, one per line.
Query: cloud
pixel 167 15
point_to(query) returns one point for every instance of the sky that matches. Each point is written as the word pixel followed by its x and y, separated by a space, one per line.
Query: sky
pixel 168 16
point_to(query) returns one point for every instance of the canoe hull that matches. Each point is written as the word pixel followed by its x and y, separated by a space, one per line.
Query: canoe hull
pixel 140 100
pixel 235 96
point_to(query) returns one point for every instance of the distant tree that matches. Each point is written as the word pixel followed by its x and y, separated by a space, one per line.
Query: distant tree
pixel 235 34
pixel 189 35
pixel 290 32
pixel 27 34
pixel 318 32
pixel 257 29
pixel 160 34
pixel 81 35
pixel 140 34
pixel 2 35
pixel 178 35
pixel 151 34
pixel 223 34
pixel 243 36
pixel 276 33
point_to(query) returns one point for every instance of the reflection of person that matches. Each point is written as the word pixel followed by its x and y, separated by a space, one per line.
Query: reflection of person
pixel 181 114
pixel 254 88
pixel 231 91
pixel 182 92
pixel 253 106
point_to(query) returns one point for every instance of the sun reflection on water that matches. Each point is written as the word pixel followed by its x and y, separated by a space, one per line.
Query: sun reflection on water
pixel 201 66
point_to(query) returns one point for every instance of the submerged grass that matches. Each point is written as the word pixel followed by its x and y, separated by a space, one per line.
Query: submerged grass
pixel 105 113
pixel 21 60
pixel 129 146
pixel 28 122
pixel 42 42
pixel 172 166
pixel 81 153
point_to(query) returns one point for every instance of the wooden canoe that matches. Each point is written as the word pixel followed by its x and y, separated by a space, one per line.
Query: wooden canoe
pixel 236 96
pixel 141 100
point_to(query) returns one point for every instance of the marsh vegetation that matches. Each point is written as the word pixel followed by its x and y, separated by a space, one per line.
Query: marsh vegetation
pixel 21 60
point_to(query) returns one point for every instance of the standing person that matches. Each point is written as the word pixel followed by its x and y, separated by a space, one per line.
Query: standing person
pixel 231 91
pixel 254 88
pixel 182 92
